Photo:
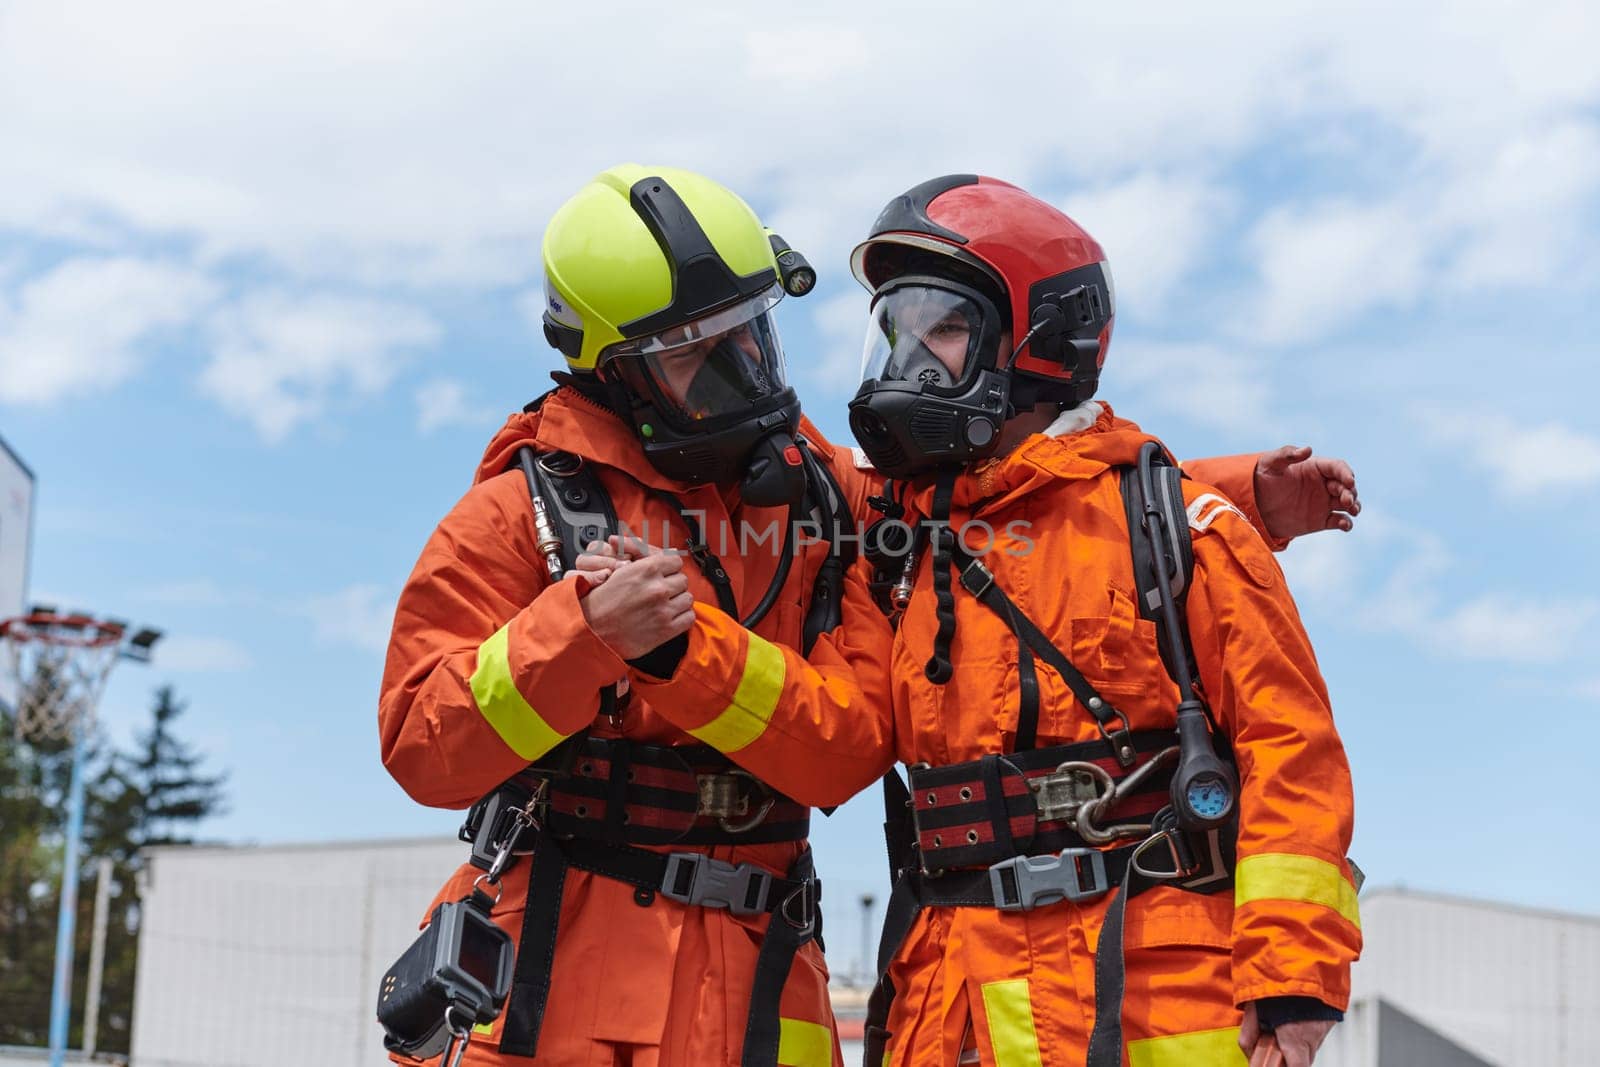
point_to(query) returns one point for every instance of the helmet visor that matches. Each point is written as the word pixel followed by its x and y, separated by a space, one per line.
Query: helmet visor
pixel 701 373
pixel 929 331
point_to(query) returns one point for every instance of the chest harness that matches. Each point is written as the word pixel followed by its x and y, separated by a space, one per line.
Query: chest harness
pixel 592 801
pixel 1036 826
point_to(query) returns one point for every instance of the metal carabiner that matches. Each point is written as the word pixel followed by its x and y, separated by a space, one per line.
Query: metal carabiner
pixel 522 819
pixel 1102 805
pixel 761 812
pixel 460 1035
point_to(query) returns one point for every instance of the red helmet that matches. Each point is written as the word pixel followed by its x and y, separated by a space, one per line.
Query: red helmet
pixel 1050 277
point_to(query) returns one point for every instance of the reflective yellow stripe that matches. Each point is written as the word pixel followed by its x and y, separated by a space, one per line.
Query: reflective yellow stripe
pixel 506 709
pixel 1010 1014
pixel 744 720
pixel 1282 876
pixel 1208 1048
pixel 803 1044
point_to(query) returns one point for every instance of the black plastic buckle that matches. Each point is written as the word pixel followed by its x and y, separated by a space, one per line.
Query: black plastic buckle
pixel 697 879
pixel 1023 883
pixel 497 824
pixel 976 579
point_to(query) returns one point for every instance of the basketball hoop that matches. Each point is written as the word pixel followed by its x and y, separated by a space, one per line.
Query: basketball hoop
pixel 59 664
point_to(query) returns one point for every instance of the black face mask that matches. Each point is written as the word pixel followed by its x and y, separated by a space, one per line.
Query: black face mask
pixel 732 423
pixel 727 381
pixel 913 415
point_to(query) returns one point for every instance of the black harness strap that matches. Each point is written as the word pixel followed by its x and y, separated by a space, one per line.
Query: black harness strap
pixel 979 581
pixel 1027 685
pixel 699 551
pixel 792 902
pixel 617 792
pixel 796 920
pixel 1110 978
pixel 536 949
pixel 899 917
pixel 939 669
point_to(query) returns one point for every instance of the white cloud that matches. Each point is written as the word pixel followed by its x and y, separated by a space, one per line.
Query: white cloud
pixel 1324 266
pixel 1392 578
pixel 187 653
pixel 1514 629
pixel 1515 214
pixel 807 57
pixel 1589 689
pixel 1457 223
pixel 85 324
pixel 411 143
pixel 841 323
pixel 1523 456
pixel 359 615
pixel 443 402
pixel 1208 385
pixel 1155 228
pixel 280 360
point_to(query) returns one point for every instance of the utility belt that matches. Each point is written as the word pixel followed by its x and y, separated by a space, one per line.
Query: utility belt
pixel 1026 830
pixel 591 801
pixel 625 793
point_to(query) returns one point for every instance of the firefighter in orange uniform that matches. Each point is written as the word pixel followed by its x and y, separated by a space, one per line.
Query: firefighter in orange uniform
pixel 1128 813
pixel 674 423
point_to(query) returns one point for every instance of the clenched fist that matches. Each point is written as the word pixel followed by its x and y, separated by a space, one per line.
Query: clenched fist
pixel 640 603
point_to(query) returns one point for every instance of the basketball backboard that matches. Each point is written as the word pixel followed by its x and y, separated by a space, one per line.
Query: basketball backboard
pixel 16 533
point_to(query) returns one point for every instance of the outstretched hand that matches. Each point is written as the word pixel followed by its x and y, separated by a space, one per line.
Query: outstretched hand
pixel 1299 493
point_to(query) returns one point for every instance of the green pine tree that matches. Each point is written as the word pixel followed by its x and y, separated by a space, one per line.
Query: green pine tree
pixel 155 794
pixel 158 794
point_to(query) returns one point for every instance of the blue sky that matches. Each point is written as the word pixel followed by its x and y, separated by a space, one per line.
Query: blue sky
pixel 264 280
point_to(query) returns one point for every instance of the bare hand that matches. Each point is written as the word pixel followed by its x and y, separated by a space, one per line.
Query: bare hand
pixel 641 604
pixel 596 563
pixel 1298 493
pixel 1289 1045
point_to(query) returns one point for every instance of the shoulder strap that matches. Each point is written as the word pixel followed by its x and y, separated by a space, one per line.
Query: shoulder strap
pixel 576 501
pixel 825 610
pixel 1167 478
pixel 579 506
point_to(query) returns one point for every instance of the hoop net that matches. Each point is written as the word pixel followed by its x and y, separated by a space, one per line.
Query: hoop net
pixel 59 664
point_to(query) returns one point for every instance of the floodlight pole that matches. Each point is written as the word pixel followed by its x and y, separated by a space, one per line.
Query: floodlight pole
pixel 97 955
pixel 61 988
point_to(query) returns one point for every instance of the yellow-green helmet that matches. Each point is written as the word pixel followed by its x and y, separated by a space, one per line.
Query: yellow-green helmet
pixel 643 249
pixel 662 283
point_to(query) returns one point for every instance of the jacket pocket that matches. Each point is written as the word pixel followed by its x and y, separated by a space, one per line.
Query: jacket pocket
pixel 1118 652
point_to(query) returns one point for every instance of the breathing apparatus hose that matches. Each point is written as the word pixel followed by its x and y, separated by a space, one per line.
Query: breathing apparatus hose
pixel 780 577
pixel 1205 790
pixel 817 501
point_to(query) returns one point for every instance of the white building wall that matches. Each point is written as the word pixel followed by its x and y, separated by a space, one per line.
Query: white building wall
pixel 273 955
pixel 1519 987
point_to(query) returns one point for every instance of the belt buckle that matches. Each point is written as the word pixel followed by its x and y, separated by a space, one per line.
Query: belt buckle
pixel 697 879
pixel 725 797
pixel 1074 874
pixel 1061 793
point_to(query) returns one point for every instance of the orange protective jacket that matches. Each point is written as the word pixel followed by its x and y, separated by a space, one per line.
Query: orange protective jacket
pixel 1020 984
pixel 665 984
